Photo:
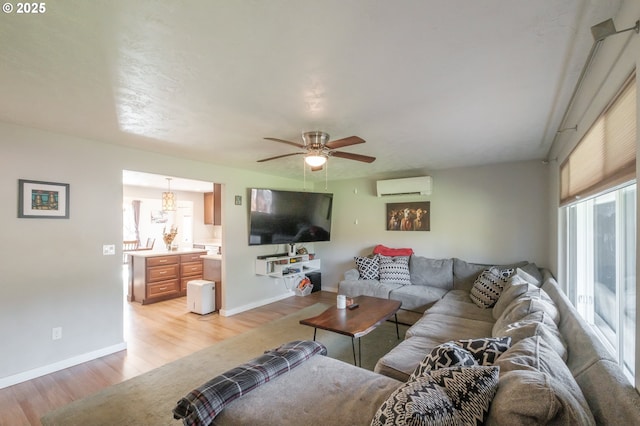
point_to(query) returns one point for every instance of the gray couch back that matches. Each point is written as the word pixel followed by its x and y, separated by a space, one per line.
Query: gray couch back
pixel 611 397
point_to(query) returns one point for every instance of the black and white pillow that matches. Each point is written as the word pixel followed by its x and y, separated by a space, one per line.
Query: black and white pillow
pixel 489 285
pixel 450 396
pixel 445 355
pixel 395 270
pixel 485 350
pixel 368 267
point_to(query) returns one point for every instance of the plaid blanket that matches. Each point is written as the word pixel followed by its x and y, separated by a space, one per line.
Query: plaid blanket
pixel 203 404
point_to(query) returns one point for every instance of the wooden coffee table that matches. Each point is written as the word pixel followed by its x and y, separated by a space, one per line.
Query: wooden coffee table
pixel 371 312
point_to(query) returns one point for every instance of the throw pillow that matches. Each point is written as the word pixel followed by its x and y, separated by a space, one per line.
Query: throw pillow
pixel 444 355
pixel 395 270
pixel 457 395
pixel 387 251
pixel 368 267
pixel 489 285
pixel 485 350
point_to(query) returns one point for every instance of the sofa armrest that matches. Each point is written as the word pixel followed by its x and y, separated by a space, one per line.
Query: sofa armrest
pixel 351 275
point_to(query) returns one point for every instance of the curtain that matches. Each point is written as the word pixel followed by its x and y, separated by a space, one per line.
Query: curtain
pixel 136 218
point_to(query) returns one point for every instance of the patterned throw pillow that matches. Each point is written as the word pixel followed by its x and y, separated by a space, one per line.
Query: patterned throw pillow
pixel 489 285
pixel 368 267
pixel 485 350
pixel 445 355
pixel 395 270
pixel 451 396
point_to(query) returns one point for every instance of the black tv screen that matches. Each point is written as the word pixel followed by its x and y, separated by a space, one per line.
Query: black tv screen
pixel 285 217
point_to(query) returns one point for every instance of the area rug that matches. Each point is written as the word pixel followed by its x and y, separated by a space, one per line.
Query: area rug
pixel 149 399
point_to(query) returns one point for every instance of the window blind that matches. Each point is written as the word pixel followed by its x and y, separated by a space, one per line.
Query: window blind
pixel 606 155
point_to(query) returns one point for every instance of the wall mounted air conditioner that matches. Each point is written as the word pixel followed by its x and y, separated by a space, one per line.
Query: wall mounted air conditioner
pixel 420 185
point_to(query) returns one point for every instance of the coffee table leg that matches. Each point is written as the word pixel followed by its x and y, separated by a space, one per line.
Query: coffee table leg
pixel 360 351
pixel 314 333
pixel 397 332
pixel 353 347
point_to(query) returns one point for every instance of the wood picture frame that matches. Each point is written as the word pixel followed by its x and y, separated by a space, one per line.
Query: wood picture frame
pixel 412 216
pixel 46 200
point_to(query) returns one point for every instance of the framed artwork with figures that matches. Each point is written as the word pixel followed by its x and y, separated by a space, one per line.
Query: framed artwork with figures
pixel 413 216
pixel 37 199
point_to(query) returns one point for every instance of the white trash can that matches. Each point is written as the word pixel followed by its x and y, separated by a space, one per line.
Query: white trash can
pixel 201 296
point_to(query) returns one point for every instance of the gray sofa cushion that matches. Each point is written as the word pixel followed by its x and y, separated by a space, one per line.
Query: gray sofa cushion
pixel 515 288
pixel 417 297
pixel 536 324
pixel 372 288
pixel 445 327
pixel 340 394
pixel 402 360
pixel 432 272
pixel 534 354
pixel 457 303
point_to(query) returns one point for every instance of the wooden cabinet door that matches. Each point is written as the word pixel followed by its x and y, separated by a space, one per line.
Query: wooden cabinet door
pixel 212 206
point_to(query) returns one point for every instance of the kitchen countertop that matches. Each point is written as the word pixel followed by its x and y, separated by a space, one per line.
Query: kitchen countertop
pixel 151 253
pixel 211 257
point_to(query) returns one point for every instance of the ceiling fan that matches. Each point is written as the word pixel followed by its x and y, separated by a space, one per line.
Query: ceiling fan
pixel 317 148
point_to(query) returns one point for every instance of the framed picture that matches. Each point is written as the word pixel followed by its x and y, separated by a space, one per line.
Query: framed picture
pixel 38 199
pixel 414 216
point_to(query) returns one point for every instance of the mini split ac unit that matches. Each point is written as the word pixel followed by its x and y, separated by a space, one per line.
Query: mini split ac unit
pixel 420 185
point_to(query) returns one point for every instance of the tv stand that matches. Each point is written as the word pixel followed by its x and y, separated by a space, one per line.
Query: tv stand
pixel 266 256
pixel 280 266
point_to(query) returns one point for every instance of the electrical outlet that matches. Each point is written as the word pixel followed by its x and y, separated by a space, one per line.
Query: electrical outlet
pixel 56 333
pixel 108 250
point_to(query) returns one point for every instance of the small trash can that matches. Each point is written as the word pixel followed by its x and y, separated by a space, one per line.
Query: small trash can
pixel 201 296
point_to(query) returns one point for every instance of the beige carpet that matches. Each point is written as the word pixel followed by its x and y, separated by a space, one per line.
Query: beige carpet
pixel 149 399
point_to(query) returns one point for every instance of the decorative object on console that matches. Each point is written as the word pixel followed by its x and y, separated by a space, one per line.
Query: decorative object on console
pixel 409 216
pixel 168 199
pixel 168 237
pixel 38 199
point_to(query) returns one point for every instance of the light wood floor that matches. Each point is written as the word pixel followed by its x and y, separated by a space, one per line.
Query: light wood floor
pixel 155 334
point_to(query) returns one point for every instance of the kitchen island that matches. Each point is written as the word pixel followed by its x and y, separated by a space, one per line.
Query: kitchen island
pixel 162 275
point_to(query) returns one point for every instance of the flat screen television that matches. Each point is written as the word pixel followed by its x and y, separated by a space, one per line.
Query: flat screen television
pixel 286 217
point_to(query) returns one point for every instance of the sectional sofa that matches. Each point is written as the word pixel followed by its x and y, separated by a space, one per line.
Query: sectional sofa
pixel 538 362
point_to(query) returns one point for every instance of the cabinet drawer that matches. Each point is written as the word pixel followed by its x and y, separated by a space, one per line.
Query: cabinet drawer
pixel 162 289
pixel 191 268
pixel 162 273
pixel 184 281
pixel 192 257
pixel 162 260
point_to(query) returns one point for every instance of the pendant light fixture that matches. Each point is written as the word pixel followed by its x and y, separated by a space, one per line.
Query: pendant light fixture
pixel 168 199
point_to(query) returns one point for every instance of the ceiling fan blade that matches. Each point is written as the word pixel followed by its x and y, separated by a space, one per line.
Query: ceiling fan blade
pixel 296 144
pixel 280 156
pixel 340 143
pixel 351 156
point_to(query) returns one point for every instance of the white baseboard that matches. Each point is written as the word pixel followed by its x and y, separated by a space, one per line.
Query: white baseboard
pixel 60 365
pixel 229 312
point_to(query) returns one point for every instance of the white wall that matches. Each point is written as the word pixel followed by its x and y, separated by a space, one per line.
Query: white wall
pixel 490 214
pixel 53 271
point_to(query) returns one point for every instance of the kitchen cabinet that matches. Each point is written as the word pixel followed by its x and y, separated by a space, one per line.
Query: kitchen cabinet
pixel 161 276
pixel 212 206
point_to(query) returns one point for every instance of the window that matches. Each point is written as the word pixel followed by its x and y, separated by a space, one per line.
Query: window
pixel 601 266
pixel 598 198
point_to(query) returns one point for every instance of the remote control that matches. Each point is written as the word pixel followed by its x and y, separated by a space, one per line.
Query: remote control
pixel 353 306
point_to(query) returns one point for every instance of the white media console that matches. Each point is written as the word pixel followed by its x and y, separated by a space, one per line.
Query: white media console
pixel 287 266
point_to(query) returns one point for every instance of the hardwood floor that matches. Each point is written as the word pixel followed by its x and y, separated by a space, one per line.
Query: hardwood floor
pixel 155 334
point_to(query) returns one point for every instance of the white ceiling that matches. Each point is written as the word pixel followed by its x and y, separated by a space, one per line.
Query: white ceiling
pixel 428 84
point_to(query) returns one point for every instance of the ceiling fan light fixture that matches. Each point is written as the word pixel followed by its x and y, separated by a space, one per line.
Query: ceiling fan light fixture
pixel 315 159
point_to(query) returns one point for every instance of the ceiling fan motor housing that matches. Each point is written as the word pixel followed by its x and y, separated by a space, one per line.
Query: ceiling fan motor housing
pixel 315 140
